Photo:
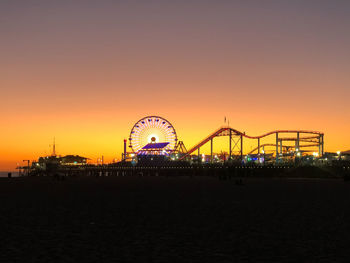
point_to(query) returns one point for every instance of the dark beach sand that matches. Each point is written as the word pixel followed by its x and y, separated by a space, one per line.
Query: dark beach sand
pixel 159 219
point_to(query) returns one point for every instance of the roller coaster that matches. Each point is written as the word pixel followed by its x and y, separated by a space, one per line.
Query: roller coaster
pixel 302 142
pixel 154 135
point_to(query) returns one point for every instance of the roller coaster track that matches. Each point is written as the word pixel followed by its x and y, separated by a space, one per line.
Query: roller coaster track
pixel 228 131
pixel 265 145
pixel 284 146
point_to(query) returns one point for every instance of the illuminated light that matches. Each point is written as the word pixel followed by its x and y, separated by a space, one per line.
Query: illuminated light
pixel 297 149
pixel 298 154
pixel 263 151
pixel 338 152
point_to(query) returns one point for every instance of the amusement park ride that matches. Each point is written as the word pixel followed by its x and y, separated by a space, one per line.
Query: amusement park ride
pixel 156 136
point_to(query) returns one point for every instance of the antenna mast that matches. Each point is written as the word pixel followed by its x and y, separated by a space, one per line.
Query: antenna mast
pixel 54 147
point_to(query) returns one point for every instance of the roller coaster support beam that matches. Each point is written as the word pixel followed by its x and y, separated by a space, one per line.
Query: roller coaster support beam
pixel 322 144
pixel 199 155
pixel 281 151
pixel 258 145
pixel 297 141
pixel 241 147
pixel 276 146
pixel 211 150
pixel 264 153
pixel 319 145
pixel 230 143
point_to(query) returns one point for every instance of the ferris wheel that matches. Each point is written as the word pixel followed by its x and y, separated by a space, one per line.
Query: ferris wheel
pixel 152 129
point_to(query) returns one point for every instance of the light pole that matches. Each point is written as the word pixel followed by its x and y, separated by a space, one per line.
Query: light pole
pixel 28 162
pixel 339 155
pixel 297 157
pixel 263 152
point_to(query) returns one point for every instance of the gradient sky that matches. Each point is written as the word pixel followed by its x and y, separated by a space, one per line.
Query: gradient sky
pixel 85 71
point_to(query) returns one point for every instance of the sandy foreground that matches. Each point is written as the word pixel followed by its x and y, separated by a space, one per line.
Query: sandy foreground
pixel 160 219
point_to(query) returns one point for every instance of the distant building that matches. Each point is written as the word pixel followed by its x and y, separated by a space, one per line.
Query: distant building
pixel 44 162
pixel 73 160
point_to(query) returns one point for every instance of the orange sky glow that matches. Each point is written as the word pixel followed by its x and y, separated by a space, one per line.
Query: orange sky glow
pixel 85 73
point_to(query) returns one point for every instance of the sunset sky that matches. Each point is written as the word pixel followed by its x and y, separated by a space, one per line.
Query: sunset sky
pixel 86 71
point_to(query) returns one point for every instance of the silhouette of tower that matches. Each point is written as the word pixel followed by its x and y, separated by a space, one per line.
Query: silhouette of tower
pixel 54 147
